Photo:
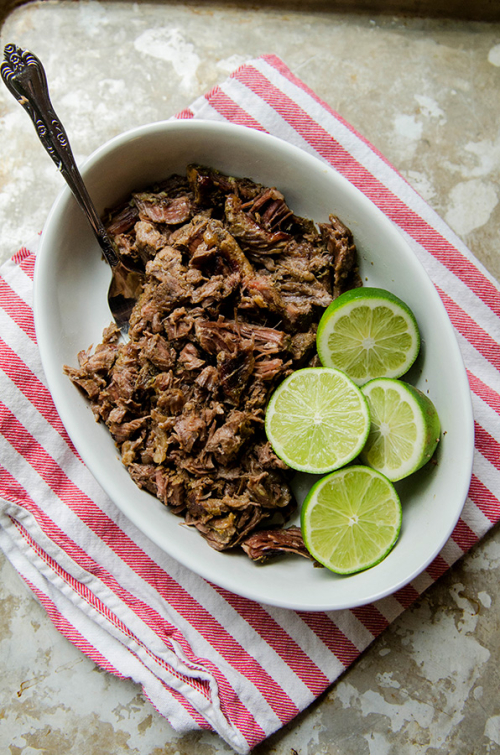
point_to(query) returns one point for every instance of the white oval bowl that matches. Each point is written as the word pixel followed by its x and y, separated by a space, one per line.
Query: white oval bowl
pixel 70 304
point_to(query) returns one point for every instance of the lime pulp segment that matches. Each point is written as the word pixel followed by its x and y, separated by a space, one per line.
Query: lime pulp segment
pixel 368 333
pixel 405 428
pixel 351 519
pixel 317 420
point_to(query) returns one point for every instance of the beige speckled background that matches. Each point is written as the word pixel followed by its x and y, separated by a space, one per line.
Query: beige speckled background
pixel 426 92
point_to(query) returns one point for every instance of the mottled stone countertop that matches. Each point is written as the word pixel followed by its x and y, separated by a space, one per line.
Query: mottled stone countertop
pixel 426 93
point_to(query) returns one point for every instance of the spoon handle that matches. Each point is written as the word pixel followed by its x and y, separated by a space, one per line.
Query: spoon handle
pixel 24 76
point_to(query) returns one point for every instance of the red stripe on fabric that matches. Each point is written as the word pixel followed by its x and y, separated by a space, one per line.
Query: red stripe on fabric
pixel 230 110
pixel 185 114
pixel 21 255
pixel 85 509
pixel 39 459
pixel 200 685
pixel 392 206
pixel 75 637
pixel 437 568
pixel 27 265
pixel 70 632
pixel 371 618
pixel 34 390
pixel 471 331
pixel 96 604
pixel 284 71
pixel 280 641
pixel 197 718
pixel 102 524
pixel 331 636
pixel 487 445
pixel 17 309
pixel 484 392
pixel 221 639
pixel 483 498
pixel 127 550
pixel 464 536
pixel 406 595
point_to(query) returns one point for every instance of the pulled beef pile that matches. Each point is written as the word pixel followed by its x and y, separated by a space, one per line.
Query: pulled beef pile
pixel 235 286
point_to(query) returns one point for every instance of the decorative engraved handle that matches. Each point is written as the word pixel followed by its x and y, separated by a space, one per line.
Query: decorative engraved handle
pixel 24 76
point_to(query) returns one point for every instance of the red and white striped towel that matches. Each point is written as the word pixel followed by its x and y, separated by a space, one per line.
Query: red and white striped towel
pixel 205 658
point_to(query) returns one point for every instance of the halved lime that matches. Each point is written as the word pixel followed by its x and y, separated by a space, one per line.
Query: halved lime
pixel 317 420
pixel 368 333
pixel 405 428
pixel 351 519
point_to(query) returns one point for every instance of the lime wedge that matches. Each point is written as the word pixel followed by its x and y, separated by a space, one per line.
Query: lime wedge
pixel 405 428
pixel 317 420
pixel 351 519
pixel 368 333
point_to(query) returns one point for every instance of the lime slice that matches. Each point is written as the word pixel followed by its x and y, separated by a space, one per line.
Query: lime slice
pixel 351 519
pixel 405 428
pixel 317 420
pixel 368 333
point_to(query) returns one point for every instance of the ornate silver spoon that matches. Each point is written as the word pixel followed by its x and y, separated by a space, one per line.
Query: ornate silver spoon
pixel 24 76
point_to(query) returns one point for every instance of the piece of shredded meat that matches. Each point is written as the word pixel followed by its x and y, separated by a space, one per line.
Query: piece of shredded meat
pixel 264 544
pixel 235 286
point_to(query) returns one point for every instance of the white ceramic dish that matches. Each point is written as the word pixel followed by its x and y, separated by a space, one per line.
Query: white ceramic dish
pixel 71 283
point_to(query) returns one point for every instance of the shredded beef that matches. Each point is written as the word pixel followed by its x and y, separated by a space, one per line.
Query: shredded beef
pixel 235 286
pixel 266 543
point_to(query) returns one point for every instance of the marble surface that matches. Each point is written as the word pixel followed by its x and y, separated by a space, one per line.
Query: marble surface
pixel 427 94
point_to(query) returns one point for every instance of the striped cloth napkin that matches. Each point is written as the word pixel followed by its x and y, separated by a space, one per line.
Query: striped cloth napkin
pixel 205 658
